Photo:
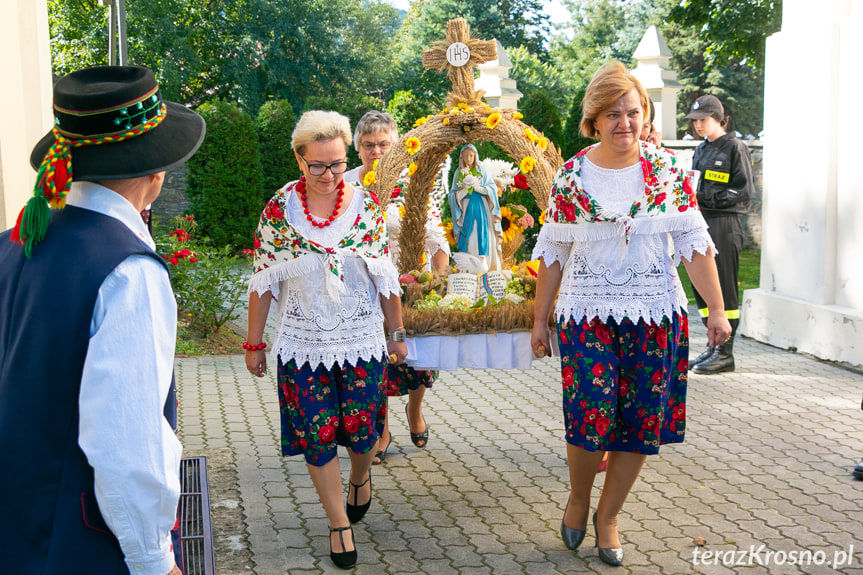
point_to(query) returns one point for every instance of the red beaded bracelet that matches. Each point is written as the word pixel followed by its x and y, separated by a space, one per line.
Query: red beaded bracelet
pixel 249 347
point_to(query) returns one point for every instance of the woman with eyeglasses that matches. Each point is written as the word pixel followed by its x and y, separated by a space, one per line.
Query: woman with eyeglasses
pixel 321 250
pixel 375 133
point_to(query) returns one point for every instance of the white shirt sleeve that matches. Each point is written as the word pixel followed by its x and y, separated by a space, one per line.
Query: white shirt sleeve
pixel 122 431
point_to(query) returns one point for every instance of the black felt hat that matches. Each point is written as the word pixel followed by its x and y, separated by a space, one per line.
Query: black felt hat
pixel 107 103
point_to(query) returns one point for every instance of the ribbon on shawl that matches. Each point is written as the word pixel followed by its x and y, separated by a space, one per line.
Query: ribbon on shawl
pixel 667 204
pixel 281 252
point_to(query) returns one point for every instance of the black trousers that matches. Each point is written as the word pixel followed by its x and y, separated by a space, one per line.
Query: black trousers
pixel 727 234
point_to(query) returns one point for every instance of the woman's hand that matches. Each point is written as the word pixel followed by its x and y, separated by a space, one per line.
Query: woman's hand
pixel 539 339
pixel 718 328
pixel 256 362
pixel 399 349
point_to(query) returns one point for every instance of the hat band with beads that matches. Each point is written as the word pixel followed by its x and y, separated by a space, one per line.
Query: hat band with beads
pixel 54 177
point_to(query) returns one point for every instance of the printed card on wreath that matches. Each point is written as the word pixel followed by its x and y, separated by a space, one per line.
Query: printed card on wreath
pixel 464 285
pixel 494 284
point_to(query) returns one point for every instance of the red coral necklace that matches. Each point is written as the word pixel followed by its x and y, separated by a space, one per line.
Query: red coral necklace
pixel 301 190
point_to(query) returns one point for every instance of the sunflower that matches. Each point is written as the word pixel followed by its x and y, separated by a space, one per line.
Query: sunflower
pixel 527 164
pixel 420 121
pixel 492 121
pixel 447 232
pixel 412 169
pixel 542 142
pixel 530 135
pixel 508 225
pixel 412 145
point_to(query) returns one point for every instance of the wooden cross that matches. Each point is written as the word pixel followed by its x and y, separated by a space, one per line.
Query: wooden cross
pixel 459 54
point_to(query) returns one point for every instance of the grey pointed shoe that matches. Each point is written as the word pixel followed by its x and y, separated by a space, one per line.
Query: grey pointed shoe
pixel 572 538
pixel 610 556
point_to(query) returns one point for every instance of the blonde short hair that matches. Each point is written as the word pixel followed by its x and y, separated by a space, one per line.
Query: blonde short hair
pixel 374 122
pixel 609 83
pixel 320 126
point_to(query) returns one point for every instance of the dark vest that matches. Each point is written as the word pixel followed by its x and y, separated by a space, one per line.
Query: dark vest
pixel 49 520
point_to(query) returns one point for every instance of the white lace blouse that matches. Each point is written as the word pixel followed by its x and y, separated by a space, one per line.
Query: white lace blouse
pixel 314 328
pixel 609 278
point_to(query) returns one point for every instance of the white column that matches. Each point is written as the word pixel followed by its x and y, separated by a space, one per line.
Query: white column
pixel 500 90
pixel 25 100
pixel 658 80
pixel 811 291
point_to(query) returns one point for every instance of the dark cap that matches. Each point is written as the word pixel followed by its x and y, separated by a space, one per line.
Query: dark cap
pixel 705 106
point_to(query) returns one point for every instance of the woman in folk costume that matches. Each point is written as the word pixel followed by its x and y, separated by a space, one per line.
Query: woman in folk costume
pixel 375 133
pixel 475 209
pixel 321 250
pixel 620 313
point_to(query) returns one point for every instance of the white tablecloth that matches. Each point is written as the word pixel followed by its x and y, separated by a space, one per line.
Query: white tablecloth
pixel 477 351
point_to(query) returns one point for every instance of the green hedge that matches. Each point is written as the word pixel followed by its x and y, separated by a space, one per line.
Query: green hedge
pixel 275 124
pixel 224 182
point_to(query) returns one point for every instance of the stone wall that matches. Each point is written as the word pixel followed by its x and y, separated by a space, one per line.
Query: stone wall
pixel 752 222
pixel 172 201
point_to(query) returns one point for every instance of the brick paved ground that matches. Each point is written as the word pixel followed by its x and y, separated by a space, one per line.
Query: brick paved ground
pixel 767 461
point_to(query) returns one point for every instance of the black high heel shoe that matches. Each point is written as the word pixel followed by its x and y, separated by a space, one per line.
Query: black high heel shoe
pixel 345 559
pixel 417 437
pixel 572 538
pixel 356 512
pixel 610 555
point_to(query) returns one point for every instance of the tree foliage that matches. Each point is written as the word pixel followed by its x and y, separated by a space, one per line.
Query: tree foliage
pixel 734 30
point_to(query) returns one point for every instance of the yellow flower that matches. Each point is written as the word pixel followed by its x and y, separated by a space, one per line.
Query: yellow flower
pixel 517 115
pixel 446 121
pixel 412 168
pixel 542 142
pixel 462 106
pixel 447 232
pixel 455 112
pixel 420 121
pixel 401 212
pixel 542 217
pixel 445 111
pixel 508 225
pixel 527 164
pixel 370 178
pixel 412 145
pixel 530 135
pixel 469 110
pixel 492 121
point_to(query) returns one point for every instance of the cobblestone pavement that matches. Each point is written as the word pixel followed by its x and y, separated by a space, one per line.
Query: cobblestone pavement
pixel 767 462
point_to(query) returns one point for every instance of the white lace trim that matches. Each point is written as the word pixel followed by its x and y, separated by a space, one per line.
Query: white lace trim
pixel 606 276
pixel 320 329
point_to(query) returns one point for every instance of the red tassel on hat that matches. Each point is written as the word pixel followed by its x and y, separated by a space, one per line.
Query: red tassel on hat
pixel 16 231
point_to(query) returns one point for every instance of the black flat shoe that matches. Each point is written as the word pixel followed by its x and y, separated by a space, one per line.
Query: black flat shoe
pixel 345 559
pixel 417 437
pixel 610 555
pixel 382 454
pixel 572 538
pixel 356 512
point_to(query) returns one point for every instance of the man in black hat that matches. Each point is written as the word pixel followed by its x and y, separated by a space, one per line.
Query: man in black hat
pixel 724 192
pixel 90 476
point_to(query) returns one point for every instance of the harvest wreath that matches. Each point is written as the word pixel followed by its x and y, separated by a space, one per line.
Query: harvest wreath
pixel 420 152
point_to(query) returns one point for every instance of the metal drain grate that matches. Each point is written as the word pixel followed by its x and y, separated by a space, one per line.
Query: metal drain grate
pixel 196 529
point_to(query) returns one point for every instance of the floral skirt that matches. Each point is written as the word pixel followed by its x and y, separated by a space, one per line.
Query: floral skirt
pixel 624 384
pixel 322 408
pixel 402 378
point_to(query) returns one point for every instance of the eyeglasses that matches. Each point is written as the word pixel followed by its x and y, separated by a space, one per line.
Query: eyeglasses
pixel 369 146
pixel 335 168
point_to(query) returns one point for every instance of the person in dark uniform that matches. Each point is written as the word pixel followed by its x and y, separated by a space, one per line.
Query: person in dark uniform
pixel 724 194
